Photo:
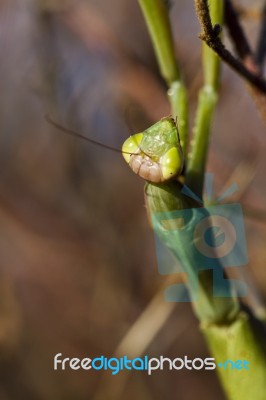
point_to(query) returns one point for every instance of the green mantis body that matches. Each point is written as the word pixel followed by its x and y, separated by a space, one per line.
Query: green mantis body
pixel 158 148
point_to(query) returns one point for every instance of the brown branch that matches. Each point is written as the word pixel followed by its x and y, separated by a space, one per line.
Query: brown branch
pixel 245 53
pixel 210 35
pixel 239 38
pixel 236 32
pixel 261 46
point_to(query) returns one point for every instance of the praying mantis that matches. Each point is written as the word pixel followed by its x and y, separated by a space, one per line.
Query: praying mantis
pixel 156 156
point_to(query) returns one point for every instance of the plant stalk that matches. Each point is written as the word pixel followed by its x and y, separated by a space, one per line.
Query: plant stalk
pixel 156 16
pixel 207 101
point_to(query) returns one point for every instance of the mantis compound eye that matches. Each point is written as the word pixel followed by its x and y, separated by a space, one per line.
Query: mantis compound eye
pixel 131 146
pixel 172 163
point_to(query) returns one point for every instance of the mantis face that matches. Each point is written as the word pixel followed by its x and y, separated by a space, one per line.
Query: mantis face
pixel 155 154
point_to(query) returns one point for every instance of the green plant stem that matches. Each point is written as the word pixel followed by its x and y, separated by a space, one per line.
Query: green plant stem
pixel 200 142
pixel 177 95
pixel 157 19
pixel 238 341
pixel 207 101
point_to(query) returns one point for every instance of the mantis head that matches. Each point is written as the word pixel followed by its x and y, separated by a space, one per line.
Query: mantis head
pixel 155 154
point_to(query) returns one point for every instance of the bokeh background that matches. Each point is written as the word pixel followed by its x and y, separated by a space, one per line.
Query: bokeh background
pixel 78 272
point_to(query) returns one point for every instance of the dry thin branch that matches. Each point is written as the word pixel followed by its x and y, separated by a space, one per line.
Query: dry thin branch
pixel 236 32
pixel 210 35
pixel 253 62
pixel 239 38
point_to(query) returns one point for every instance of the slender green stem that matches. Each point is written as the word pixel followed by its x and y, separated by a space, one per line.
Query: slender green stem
pixel 157 19
pixel 244 376
pixel 211 62
pixel 206 106
pixel 177 94
pixel 200 142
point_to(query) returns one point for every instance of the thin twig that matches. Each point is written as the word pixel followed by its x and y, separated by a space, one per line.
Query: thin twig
pixel 249 59
pixel 240 40
pixel 210 35
pixel 208 97
pixel 156 15
pixel 236 32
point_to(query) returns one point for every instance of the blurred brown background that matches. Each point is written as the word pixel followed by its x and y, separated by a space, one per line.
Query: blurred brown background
pixel 78 266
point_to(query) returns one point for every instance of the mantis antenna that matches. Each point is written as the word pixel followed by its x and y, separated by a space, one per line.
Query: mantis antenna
pixel 79 135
